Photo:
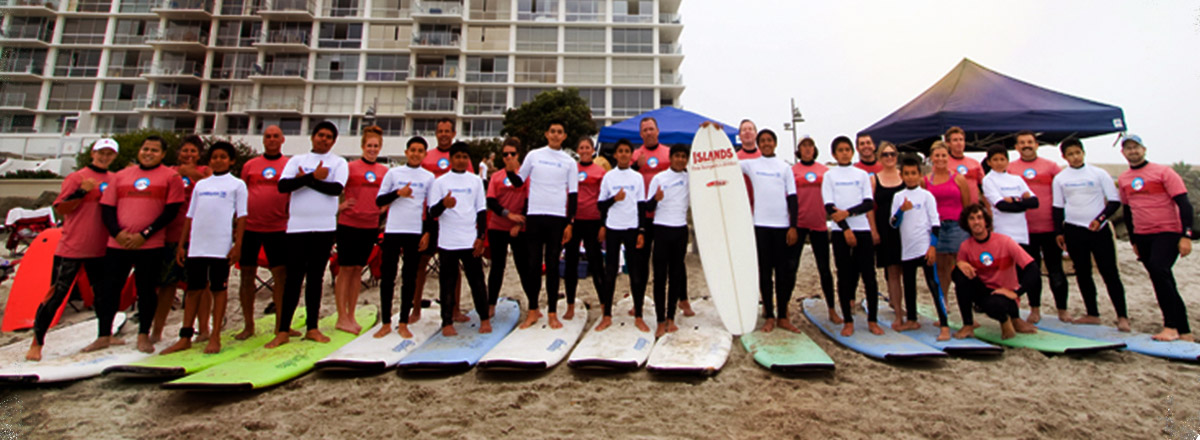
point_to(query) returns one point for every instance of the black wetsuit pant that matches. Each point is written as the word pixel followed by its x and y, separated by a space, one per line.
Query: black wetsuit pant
pixel 1158 254
pixel 909 271
pixel 1043 247
pixel 584 231
pixel 307 259
pixel 147 265
pixel 395 246
pixel 62 276
pixel 1082 246
pixel 852 264
pixel 819 241
pixel 670 249
pixel 544 235
pixel 498 244
pixel 613 240
pixel 776 270
pixel 974 296
pixel 473 267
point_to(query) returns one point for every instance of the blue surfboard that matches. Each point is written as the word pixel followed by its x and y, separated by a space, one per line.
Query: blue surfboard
pixel 1135 342
pixel 928 334
pixel 888 346
pixel 460 353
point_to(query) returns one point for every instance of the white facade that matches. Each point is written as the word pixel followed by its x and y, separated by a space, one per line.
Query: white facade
pixel 232 67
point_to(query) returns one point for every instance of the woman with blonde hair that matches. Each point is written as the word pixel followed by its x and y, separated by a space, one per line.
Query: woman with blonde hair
pixel 950 190
pixel 358 226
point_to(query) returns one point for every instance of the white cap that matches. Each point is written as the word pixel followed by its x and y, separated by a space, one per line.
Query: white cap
pixel 106 143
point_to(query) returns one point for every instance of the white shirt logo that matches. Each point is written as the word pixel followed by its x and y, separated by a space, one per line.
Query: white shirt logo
pixel 142 184
pixel 582 176
pixel 652 162
pixel 370 176
pixel 103 186
pixel 810 176
pixel 443 163
pixel 1030 173
pixel 986 258
pixel 268 173
pixel 962 169
pixel 1137 184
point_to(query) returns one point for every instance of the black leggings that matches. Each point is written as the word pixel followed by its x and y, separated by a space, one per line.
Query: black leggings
pixel 1044 248
pixel 62 277
pixel 852 264
pixel 670 248
pixel 973 296
pixel 1158 254
pixel 909 268
pixel 1082 245
pixel 394 246
pixel 613 240
pixel 585 231
pixel 306 265
pixel 776 263
pixel 498 242
pixel 147 265
pixel 544 234
pixel 820 249
pixel 473 267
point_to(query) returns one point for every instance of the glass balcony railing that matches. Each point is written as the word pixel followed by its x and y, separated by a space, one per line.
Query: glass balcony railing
pixel 286 37
pixel 179 35
pixel 431 104
pixel 442 8
pixel 128 39
pixel 119 105
pixel 672 79
pixel 168 102
pixel 187 5
pixel 470 108
pixel 294 104
pixel 640 18
pixel 127 71
pixel 296 69
pixel 436 72
pixel 178 68
pixel 670 19
pixel 438 39
pixel 487 77
pixel 331 10
pixel 308 6
pixel 22 66
pixel 240 7
pixel 136 6
pixel 14 99
pixel 670 48
pixel 232 72
pixel 27 32
pixel 386 75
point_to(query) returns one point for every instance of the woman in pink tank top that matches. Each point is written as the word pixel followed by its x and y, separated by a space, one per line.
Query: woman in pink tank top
pixel 951 192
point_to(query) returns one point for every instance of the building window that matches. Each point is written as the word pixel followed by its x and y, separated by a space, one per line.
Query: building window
pixel 84 30
pixel 24 95
pixel 341 35
pixel 77 63
pixel 117 124
pixel 122 97
pixel 633 41
pixel 129 64
pixel 333 99
pixel 71 96
pixel 130 32
pixel 387 67
pixel 537 10
pixel 338 67
pixel 537 39
pixel 341 8
pixel 585 10
pixel 584 70
pixel 94 6
pixel 596 100
pixel 389 36
pixel 238 33
pixel 18 60
pixel 439 100
pixel 286 65
pixel 29 28
pixel 234 65
pixel 141 6
pixel 387 100
pixel 391 126
pixel 289 98
pixel 289 126
pixel 483 128
pixel 522 95
pixel 487 69
pixel 17 123
pixel 633 11
pixel 425 127
pixel 391 8
pixel 631 102
pixel 630 71
pixel 485 102
pixel 537 70
pixel 493 38
pixel 490 9
pixel 584 40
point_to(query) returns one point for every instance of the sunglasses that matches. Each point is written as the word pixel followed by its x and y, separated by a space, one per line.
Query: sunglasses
pixel 889 154
pixel 509 153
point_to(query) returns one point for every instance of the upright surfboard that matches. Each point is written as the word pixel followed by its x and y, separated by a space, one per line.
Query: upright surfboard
pixel 928 334
pixel 368 353
pixel 32 283
pixel 1043 341
pixel 264 367
pixel 538 347
pixel 620 346
pixel 1135 342
pixel 62 361
pixel 460 353
pixel 888 346
pixel 194 360
pixel 700 346
pixel 724 229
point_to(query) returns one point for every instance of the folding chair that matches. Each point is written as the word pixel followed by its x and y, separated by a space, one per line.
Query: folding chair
pixel 259 282
pixel 23 225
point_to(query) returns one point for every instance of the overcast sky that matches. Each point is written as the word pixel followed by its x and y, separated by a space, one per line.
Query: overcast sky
pixel 850 63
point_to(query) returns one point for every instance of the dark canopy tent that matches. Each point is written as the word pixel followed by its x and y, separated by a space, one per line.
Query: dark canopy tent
pixel 992 108
pixel 675 126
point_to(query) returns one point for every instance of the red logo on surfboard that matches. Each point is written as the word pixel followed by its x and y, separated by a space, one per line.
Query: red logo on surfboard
pixel 715 183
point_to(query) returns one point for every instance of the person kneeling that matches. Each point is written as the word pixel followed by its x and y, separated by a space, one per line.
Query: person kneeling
pixel 992 274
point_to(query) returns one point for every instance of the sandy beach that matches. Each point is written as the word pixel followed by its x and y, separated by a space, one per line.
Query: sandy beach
pixel 1022 394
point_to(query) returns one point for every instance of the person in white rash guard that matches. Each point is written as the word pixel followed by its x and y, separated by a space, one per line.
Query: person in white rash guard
pixel 459 205
pixel 848 199
pixel 553 186
pixel 1084 199
pixel 315 180
pixel 915 215
pixel 775 212
pixel 622 191
pixel 403 191
pixel 668 198
pixel 1009 196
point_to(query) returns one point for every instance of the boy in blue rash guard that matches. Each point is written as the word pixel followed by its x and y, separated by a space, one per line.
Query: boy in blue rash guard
pixel 848 198
pixel 668 198
pixel 457 203
pixel 914 213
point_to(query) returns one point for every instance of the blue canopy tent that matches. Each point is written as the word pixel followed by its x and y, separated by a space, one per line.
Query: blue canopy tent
pixel 992 108
pixel 675 126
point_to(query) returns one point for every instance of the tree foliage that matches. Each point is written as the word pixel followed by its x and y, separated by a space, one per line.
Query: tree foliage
pixel 530 121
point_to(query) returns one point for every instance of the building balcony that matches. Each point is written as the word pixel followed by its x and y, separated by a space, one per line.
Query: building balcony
pixel 437 41
pixel 441 73
pixel 29 8
pixel 185 71
pixel 493 15
pixel 232 73
pixel 290 107
pixel 492 109
pixel 288 10
pixel 385 12
pixel 129 40
pixel 83 72
pixel 168 104
pixel 284 41
pixel 236 41
pixel 437 11
pixel 18 70
pixel 15 101
pixel 487 77
pixel 127 71
pixel 543 16
pixel 281 73
pixel 432 105
pixel 26 36
pixel 121 105
pixel 671 19
pixel 190 39
pixel 240 8
pixel 331 11
pixel 640 18
pixel 670 49
pixel 90 6
pixel 184 9
pixel 387 75
pixel 140 7
pixel 670 79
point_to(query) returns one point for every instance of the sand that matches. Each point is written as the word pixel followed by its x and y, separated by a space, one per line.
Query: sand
pixel 1023 394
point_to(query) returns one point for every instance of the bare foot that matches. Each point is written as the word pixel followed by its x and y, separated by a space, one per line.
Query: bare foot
pixel 1035 315
pixel 553 319
pixel 874 328
pixel 641 325
pixel 280 339
pixel 531 318
pixel 944 334
pixel 202 337
pixel 402 329
pixel 348 328
pixel 833 317
pixel 180 345
pixel 910 325
pixel 144 345
pixel 1188 337
pixel 768 325
pixel 102 343
pixel 898 325
pixel 848 329
pixel 660 330
pixel 1007 330
pixel 1166 335
pixel 35 352
pixel 967 331
pixel 459 316
pixel 786 324
pixel 1123 325
pixel 1063 316
pixel 415 315
pixel 1021 326
pixel 604 323
pixel 687 308
pixel 154 338
pixel 671 328
pixel 213 347
pixel 570 312
pixel 246 333
pixel 1087 320
pixel 294 333
pixel 449 331
pixel 316 336
pixel 383 331
pixel 485 327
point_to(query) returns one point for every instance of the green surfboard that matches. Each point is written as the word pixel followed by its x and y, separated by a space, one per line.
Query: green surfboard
pixel 263 367
pixel 1043 341
pixel 786 352
pixel 193 360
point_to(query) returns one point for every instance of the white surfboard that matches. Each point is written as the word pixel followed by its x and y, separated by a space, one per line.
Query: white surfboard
pixel 621 345
pixel 724 229
pixel 62 360
pixel 538 347
pixel 700 346
pixel 366 352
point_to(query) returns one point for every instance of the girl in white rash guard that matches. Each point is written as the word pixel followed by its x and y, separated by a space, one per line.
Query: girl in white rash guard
pixel 668 198
pixel 1009 195
pixel 553 183
pixel 848 198
pixel 775 211
pixel 403 191
pixel 458 204
pixel 623 223
pixel 1084 198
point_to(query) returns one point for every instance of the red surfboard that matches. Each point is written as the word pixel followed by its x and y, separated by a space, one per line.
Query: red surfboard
pixel 32 283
